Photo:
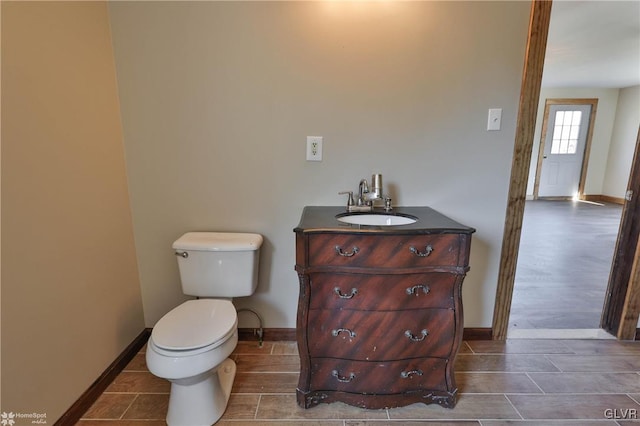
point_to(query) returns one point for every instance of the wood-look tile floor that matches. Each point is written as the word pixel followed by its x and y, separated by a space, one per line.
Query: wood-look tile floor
pixel 517 382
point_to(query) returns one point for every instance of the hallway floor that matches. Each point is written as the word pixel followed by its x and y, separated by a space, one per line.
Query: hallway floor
pixel 565 257
pixel 517 382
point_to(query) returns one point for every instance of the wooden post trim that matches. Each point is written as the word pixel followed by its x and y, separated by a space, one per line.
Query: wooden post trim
pixel 525 127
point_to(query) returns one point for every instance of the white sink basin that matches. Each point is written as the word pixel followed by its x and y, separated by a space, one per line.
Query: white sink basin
pixel 376 219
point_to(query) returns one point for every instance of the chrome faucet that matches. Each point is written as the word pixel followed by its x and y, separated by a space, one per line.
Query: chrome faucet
pixel 363 190
pixel 366 198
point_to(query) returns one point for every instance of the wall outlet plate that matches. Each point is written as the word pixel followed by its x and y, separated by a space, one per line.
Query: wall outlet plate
pixel 314 148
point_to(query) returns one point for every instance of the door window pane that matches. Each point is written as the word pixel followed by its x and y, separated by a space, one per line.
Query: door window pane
pixel 565 132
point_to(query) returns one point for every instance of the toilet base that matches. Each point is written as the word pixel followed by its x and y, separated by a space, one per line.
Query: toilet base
pixel 203 400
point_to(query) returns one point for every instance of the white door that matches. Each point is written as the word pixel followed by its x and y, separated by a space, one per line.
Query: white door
pixel 564 145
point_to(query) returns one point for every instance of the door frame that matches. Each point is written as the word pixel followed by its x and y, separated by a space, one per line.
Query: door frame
pixel 587 148
pixel 622 299
pixel 523 146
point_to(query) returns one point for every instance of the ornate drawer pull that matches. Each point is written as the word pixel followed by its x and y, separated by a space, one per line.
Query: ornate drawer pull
pixel 414 290
pixel 427 251
pixel 347 253
pixel 414 338
pixel 408 374
pixel 337 290
pixel 340 330
pixel 343 379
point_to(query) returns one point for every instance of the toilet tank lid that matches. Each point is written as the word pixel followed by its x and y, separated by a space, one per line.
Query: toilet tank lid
pixel 218 241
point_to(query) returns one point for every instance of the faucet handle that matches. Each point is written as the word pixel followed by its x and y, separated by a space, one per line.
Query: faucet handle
pixel 387 204
pixel 350 200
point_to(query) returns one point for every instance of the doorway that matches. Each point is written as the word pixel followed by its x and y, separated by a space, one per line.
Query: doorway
pixel 557 258
pixel 622 294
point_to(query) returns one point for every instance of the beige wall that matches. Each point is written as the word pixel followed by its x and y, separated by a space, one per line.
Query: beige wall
pixel 623 142
pixel 601 140
pixel 70 290
pixel 218 97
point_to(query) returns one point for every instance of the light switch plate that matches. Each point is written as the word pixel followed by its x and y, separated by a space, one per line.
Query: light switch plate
pixel 495 119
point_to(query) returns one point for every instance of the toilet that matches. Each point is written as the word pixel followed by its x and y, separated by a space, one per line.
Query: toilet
pixel 190 345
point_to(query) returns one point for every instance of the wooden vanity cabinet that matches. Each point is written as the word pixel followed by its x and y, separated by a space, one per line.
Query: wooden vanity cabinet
pixel 380 313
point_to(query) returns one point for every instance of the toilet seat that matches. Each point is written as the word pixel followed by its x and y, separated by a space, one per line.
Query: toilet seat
pixel 195 324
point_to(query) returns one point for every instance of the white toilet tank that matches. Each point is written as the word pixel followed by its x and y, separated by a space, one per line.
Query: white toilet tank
pixel 218 264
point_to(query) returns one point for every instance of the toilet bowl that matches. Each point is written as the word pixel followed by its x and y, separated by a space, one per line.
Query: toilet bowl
pixel 190 347
pixel 191 344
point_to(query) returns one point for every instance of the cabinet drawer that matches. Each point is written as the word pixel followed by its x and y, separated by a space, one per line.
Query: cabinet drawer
pixel 387 251
pixel 382 292
pixel 380 378
pixel 379 336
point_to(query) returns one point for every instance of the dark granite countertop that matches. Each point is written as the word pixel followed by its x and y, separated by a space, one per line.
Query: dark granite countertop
pixel 323 219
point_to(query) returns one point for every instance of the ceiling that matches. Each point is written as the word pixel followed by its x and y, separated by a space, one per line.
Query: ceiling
pixel 593 44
